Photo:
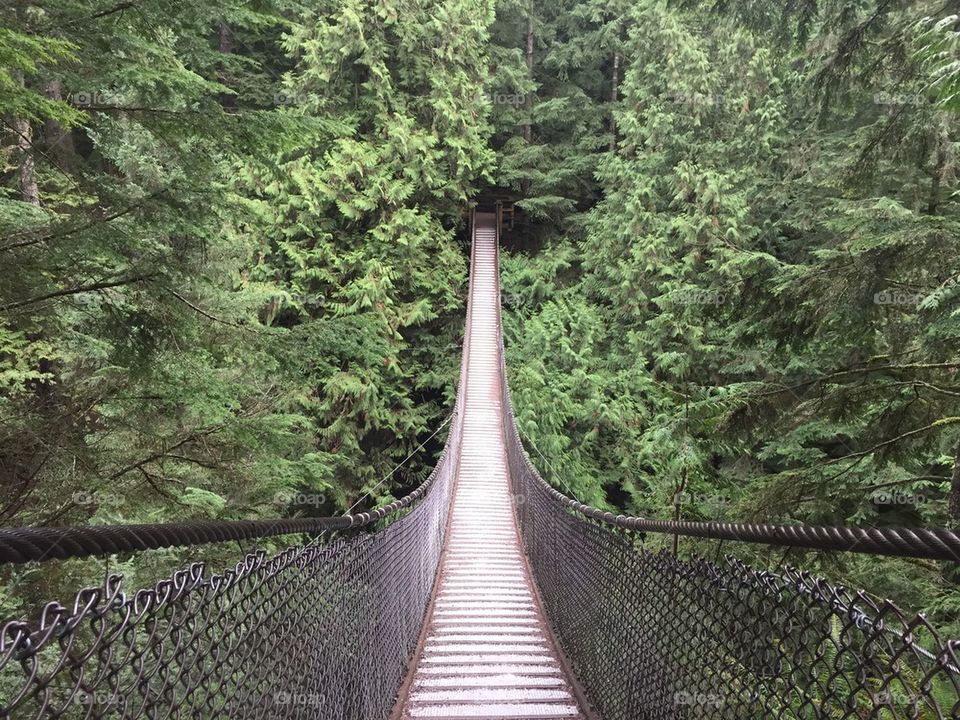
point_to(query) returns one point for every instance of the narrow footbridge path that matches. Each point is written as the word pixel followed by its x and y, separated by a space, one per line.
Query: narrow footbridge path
pixel 487 651
pixel 485 593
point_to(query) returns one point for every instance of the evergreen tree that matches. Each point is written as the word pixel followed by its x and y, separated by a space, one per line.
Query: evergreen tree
pixel 754 327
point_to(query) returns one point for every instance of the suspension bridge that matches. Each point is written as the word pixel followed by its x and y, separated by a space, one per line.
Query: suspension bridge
pixel 485 593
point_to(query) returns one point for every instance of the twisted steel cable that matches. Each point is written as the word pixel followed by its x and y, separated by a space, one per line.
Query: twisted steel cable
pixel 924 543
pixel 927 543
pixel 21 545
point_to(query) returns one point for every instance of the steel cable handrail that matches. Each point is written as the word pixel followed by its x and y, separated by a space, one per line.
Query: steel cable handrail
pixel 926 543
pixel 21 545
pixel 912 542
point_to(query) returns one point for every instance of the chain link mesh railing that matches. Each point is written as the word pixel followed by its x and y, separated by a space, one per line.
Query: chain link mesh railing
pixel 322 630
pixel 654 637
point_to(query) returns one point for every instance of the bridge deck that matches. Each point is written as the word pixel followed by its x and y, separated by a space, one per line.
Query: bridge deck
pixel 488 652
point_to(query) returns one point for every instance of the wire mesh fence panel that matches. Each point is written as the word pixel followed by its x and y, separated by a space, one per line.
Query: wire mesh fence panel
pixel 654 637
pixel 322 630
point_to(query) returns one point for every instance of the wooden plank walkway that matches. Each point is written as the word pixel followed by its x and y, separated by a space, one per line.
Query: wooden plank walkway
pixel 488 652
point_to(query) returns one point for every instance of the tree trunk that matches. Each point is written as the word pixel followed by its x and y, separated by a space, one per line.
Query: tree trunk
pixel 528 102
pixel 941 140
pixel 228 101
pixel 29 192
pixel 58 142
pixel 614 94
pixel 953 507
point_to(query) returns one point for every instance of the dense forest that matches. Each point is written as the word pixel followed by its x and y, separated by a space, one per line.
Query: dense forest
pixel 234 259
pixel 737 297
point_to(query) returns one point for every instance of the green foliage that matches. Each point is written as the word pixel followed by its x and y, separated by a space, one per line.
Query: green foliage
pixel 551 124
pixel 231 269
pixel 758 318
pixel 230 274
